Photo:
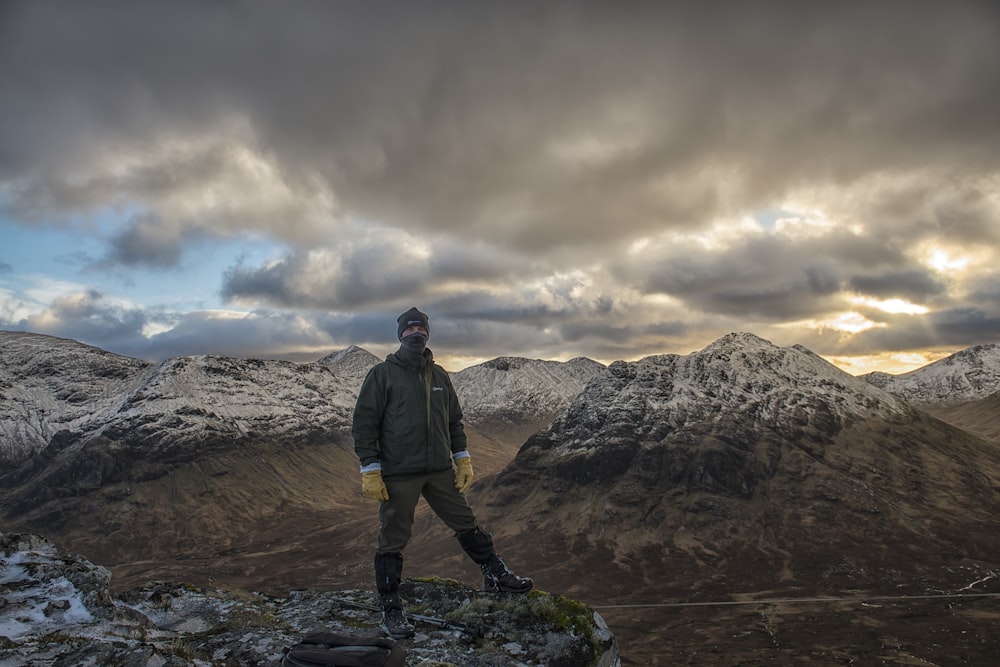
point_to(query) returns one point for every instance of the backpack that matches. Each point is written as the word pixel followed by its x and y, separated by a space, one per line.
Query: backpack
pixel 328 649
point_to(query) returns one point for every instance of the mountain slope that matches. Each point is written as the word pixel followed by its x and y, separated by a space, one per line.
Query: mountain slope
pixel 969 375
pixel 199 455
pixel 981 418
pixel 738 467
pixel 506 399
pixel 519 391
pixel 49 384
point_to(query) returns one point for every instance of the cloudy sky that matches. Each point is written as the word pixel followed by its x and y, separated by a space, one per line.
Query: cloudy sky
pixel 545 179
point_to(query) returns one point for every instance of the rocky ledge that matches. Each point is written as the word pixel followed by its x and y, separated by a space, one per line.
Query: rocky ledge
pixel 58 609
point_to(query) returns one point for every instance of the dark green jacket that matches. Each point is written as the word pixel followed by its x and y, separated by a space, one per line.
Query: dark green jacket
pixel 395 423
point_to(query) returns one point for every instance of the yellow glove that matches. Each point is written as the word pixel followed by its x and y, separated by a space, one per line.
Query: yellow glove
pixel 463 476
pixel 372 485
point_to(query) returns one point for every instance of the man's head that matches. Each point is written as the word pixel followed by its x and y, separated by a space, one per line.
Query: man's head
pixel 414 329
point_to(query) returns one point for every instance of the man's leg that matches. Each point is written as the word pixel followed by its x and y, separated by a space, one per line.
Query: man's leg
pixel 396 514
pixel 395 525
pixel 452 507
pixel 388 574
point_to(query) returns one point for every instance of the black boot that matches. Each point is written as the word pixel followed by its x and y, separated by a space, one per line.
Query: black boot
pixel 388 573
pixel 497 577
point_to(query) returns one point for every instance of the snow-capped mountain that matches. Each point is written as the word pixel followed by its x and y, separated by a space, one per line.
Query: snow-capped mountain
pixel 352 361
pixel 53 385
pixel 518 391
pixel 50 384
pixel 720 412
pixel 212 443
pixel 195 453
pixel 969 375
pixel 743 457
pixel 738 375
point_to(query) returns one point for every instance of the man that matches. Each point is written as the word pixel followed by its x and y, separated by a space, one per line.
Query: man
pixel 409 435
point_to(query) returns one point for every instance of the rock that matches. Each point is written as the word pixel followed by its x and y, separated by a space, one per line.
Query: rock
pixel 57 609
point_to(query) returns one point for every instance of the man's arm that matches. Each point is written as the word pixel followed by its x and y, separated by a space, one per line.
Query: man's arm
pixel 368 412
pixel 365 429
pixel 456 427
pixel 459 442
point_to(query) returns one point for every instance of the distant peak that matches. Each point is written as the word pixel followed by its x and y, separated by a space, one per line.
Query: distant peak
pixel 741 339
pixel 347 353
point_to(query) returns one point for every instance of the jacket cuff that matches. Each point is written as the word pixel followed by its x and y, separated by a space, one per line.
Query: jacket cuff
pixel 464 454
pixel 371 467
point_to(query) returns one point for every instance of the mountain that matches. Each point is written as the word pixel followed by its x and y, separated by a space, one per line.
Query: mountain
pixel 740 472
pixel 969 375
pixel 514 391
pixel 196 457
pixel 506 399
pixel 216 458
pixel 352 360
pixel 50 384
pixel 744 466
pixel 676 486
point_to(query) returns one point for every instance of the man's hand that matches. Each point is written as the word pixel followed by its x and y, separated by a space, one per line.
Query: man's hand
pixel 372 485
pixel 463 475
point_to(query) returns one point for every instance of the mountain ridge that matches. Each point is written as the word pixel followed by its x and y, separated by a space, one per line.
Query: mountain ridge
pixel 968 375
pixel 207 454
pixel 651 444
pixel 234 395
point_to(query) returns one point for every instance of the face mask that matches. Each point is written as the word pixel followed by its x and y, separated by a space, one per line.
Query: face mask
pixel 415 342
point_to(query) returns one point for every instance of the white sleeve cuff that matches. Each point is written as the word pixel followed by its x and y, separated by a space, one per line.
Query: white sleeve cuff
pixel 464 454
pixel 371 467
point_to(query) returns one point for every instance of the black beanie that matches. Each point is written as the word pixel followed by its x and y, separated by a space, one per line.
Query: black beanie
pixel 412 317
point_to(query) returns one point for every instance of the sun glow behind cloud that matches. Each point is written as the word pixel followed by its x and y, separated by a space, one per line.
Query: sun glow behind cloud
pixel 892 306
pixel 940 260
pixel 850 322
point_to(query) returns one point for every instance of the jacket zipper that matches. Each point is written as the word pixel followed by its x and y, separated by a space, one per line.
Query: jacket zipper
pixel 427 392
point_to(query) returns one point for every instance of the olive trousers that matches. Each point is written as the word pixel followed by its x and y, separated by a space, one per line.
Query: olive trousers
pixel 438 489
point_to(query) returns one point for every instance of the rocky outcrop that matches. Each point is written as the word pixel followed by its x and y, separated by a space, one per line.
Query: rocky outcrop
pixel 58 609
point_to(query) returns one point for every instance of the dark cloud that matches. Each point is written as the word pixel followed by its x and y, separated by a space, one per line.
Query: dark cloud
pixel 554 119
pixel 148 241
pixel 769 277
pixel 914 285
pixel 262 334
pixel 90 318
pixel 539 173
pixel 955 328
pixel 986 291
pixel 368 273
